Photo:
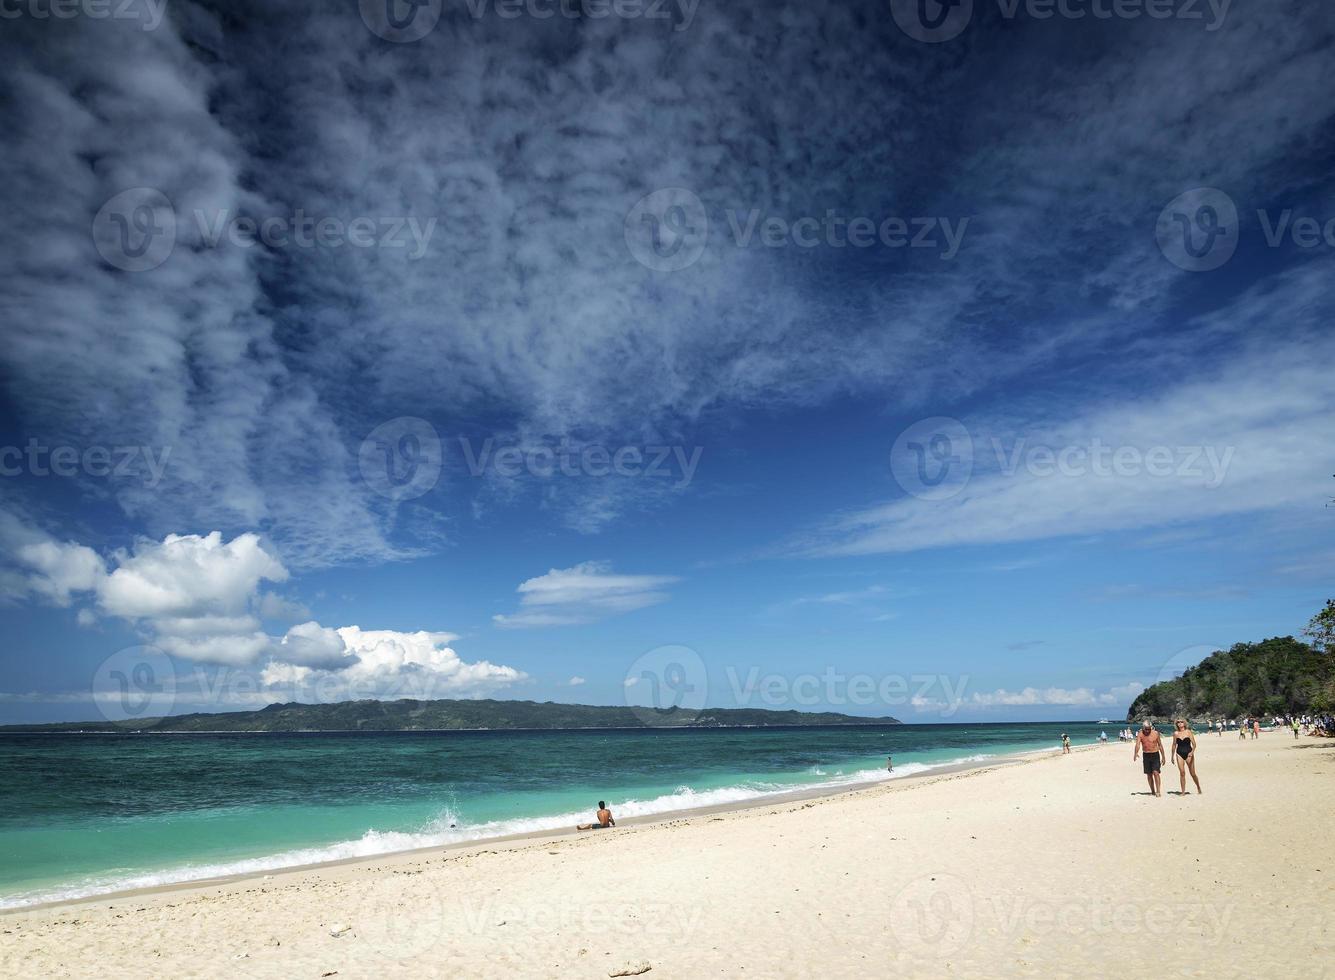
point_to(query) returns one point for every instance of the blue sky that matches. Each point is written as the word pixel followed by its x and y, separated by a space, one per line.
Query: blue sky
pixel 1053 452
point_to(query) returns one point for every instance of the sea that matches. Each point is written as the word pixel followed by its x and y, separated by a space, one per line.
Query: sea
pixel 84 815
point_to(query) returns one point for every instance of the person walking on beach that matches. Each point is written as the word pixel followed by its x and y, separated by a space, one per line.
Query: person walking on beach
pixel 1066 744
pixel 604 819
pixel 889 763
pixel 1184 747
pixel 1256 728
pixel 1151 744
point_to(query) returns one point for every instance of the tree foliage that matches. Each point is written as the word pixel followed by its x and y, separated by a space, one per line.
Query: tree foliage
pixel 1278 676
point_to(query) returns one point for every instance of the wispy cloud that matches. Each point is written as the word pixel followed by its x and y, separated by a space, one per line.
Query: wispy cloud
pixel 1245 439
pixel 583 593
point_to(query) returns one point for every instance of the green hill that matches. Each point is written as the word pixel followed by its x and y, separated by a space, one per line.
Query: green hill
pixel 409 715
pixel 1278 676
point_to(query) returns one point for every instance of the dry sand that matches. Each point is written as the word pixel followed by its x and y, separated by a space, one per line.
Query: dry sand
pixel 1058 867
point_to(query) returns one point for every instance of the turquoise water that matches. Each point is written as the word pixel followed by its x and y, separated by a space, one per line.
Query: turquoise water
pixel 85 814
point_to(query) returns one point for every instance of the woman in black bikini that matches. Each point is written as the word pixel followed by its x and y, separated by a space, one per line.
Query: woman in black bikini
pixel 1184 747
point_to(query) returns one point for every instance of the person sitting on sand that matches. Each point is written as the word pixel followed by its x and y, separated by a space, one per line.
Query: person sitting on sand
pixel 604 819
pixel 1152 744
pixel 1184 747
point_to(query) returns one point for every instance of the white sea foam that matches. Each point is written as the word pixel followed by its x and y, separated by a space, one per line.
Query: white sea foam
pixel 446 828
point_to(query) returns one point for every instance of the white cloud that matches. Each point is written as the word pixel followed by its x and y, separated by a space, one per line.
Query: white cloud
pixel 1078 697
pixel 313 645
pixel 583 593
pixel 380 663
pixel 1242 440
pixel 50 570
pixel 576 681
pixel 196 594
pixel 198 598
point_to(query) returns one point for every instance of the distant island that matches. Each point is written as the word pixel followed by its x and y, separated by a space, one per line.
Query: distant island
pixel 451 715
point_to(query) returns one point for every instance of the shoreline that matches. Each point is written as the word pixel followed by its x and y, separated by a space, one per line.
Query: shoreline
pixel 1038 865
pixel 781 798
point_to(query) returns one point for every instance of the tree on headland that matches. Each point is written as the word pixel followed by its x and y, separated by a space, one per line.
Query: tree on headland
pixel 1321 629
pixel 1278 676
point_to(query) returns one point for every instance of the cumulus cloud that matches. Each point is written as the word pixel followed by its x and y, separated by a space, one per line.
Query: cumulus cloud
pixel 352 662
pixel 199 598
pixel 37 565
pixel 576 681
pixel 196 593
pixel 315 646
pixel 583 593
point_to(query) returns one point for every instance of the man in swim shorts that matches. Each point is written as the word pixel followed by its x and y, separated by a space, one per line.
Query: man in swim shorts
pixel 604 819
pixel 1149 742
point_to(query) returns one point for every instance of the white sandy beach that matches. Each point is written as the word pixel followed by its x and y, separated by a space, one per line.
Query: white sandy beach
pixel 1057 866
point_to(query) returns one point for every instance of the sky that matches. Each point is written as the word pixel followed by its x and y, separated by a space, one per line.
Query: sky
pixel 965 363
